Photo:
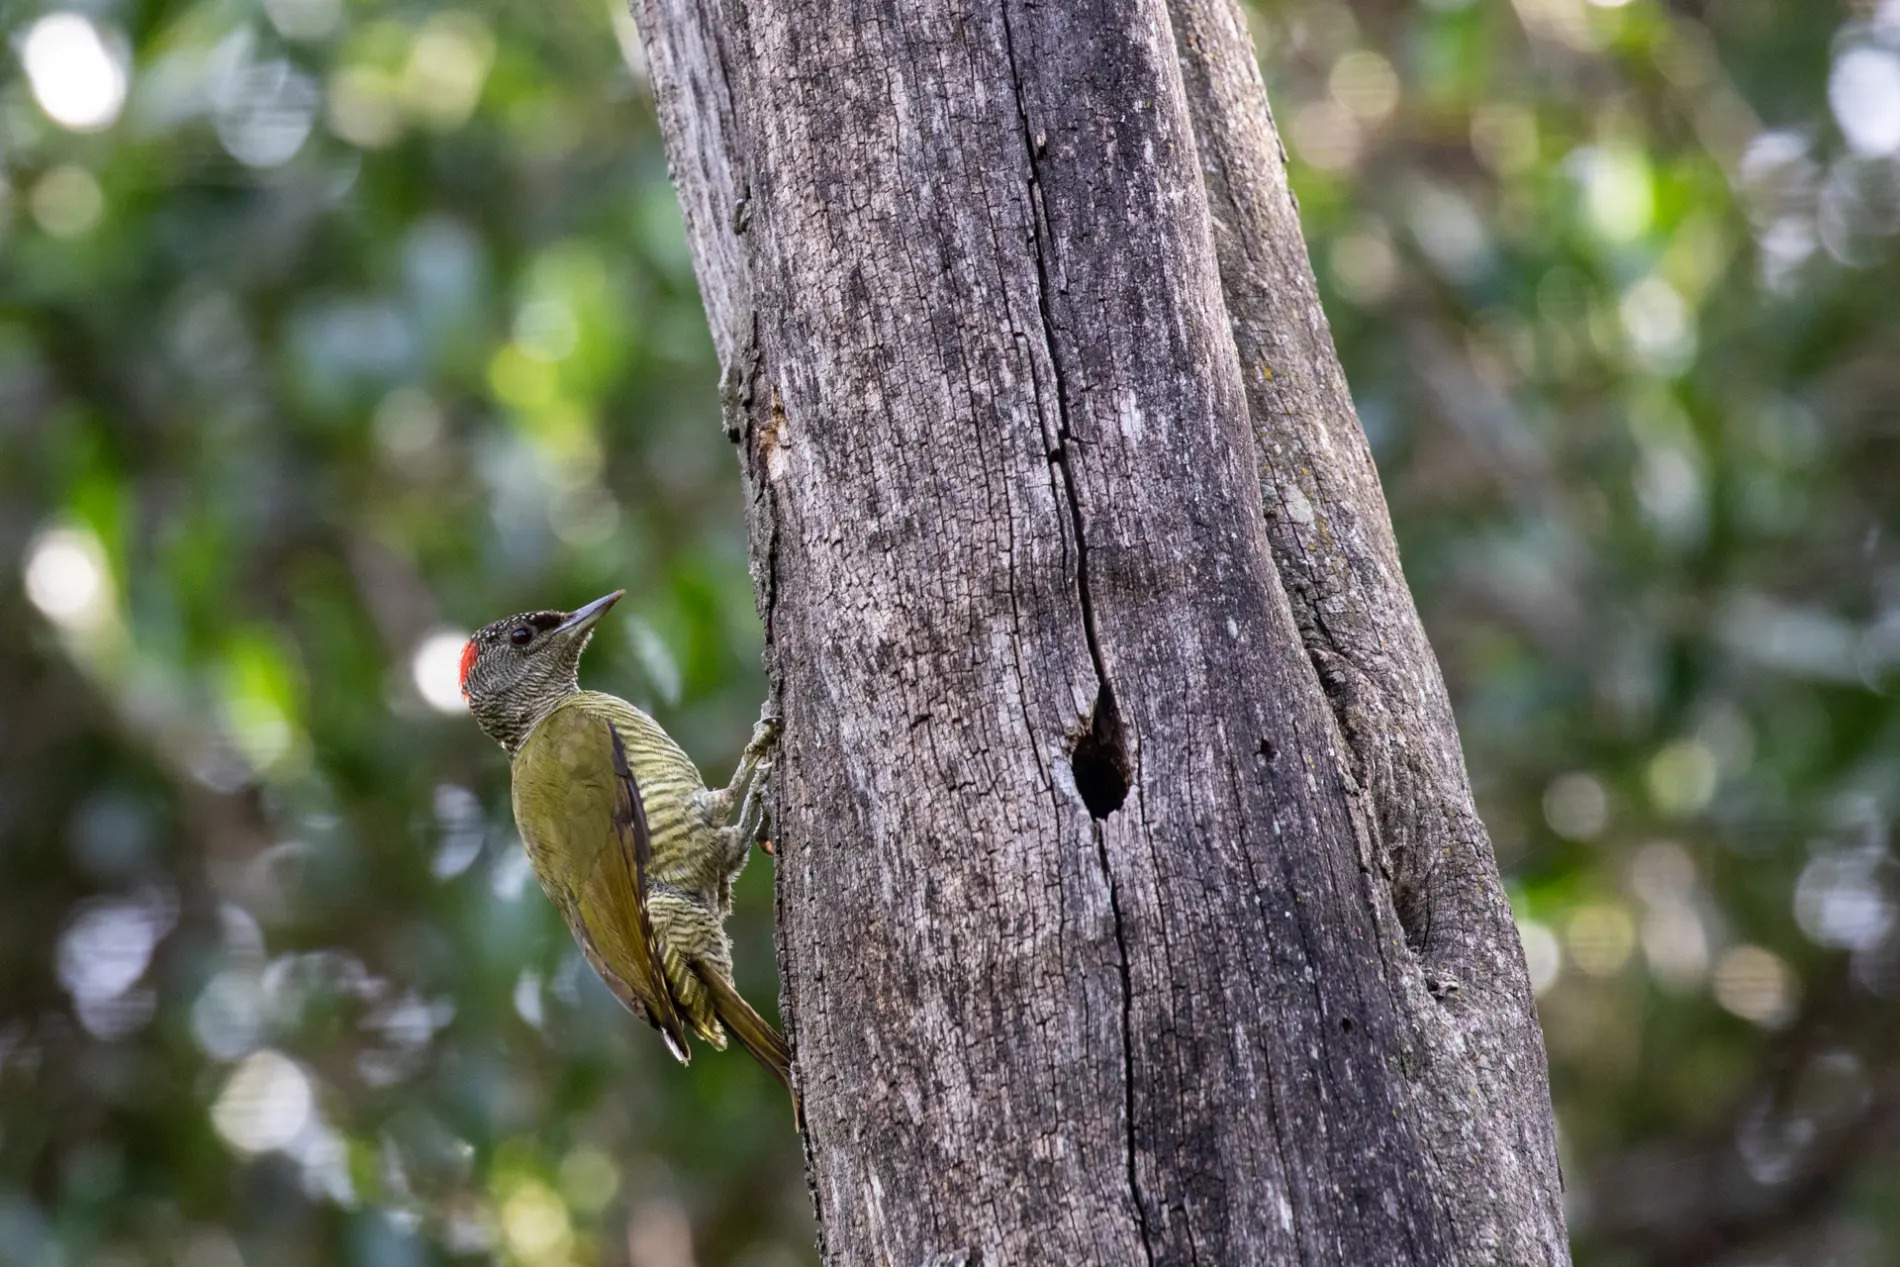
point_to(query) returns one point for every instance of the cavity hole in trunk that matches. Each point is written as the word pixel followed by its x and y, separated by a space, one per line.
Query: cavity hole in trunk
pixel 1100 759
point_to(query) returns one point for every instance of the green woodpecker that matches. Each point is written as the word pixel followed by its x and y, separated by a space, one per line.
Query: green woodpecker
pixel 628 842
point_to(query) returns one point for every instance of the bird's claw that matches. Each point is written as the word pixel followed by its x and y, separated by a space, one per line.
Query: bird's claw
pixel 765 733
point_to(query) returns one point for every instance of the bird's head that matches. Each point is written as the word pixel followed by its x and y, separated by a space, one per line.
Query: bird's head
pixel 515 670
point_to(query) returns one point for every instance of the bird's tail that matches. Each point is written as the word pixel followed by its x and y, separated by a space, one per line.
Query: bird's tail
pixel 753 1031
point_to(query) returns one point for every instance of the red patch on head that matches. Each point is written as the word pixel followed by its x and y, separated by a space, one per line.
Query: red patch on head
pixel 468 662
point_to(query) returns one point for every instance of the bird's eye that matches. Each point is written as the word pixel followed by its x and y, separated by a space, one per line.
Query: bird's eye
pixel 521 635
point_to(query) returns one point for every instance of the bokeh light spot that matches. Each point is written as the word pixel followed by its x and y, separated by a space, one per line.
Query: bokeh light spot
pixel 228 1015
pixel 1660 326
pixel 436 667
pixel 1365 267
pixel 1669 488
pixel 408 423
pixel 1676 945
pixel 1449 230
pixel 1755 985
pixel 584 516
pixel 522 380
pixel 259 729
pixel 659 1234
pixel 1619 194
pixel 261 694
pixel 546 331
pixel 1601 938
pixel 1327 136
pixel 1864 90
pixel 364 106
pixel 1504 136
pixel 1542 954
pixel 265 1104
pixel 1576 806
pixel 1365 83
pixel 448 64
pixel 66 578
pixel 527 998
pixel 534 1220
pixel 67 201
pixel 657 660
pixel 304 19
pixel 1841 901
pixel 107 947
pixel 209 1247
pixel 75 76
pixel 266 113
pixel 589 1179
pixel 1682 777
pixel 458 812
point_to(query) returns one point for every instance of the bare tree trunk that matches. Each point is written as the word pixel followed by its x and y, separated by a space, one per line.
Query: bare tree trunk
pixel 1132 905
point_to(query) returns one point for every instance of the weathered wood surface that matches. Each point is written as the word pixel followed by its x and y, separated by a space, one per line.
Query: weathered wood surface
pixel 1132 904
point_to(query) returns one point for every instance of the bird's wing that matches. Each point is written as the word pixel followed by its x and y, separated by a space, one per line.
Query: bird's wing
pixel 636 852
pixel 586 804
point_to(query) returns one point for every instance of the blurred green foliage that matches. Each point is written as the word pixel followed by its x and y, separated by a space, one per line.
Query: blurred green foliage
pixel 363 326
pixel 329 330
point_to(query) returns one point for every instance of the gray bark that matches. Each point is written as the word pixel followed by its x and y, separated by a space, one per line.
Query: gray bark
pixel 1132 904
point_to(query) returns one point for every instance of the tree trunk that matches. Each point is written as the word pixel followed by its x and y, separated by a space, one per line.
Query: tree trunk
pixel 1132 904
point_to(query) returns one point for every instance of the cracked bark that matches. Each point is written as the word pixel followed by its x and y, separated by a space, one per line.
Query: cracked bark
pixel 1132 907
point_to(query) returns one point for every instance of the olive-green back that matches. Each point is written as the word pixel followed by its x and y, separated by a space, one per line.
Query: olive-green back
pixel 566 791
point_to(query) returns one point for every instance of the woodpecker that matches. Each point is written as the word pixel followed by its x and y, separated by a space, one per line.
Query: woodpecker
pixel 636 852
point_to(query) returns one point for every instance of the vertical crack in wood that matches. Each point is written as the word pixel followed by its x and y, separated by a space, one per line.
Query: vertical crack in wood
pixel 1105 705
pixel 1128 1039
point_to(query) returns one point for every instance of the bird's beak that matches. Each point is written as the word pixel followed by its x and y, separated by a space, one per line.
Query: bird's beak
pixel 583 618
